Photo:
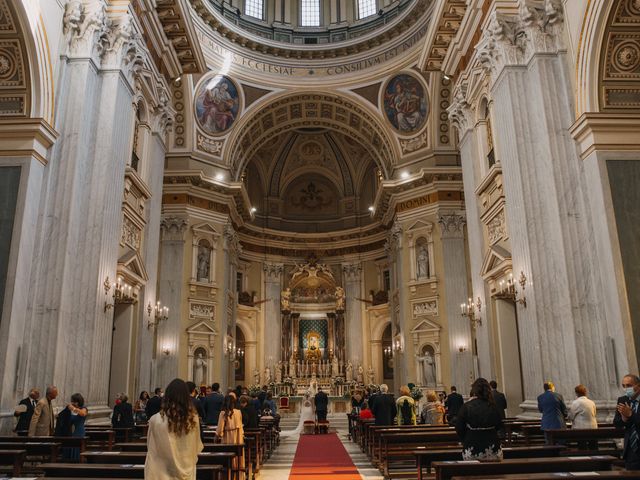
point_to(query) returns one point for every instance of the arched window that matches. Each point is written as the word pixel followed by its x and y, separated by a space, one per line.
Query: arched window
pixel 310 13
pixel 254 8
pixel 366 8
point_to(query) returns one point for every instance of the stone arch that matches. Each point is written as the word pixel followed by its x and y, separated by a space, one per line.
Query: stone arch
pixel 596 64
pixel 25 48
pixel 311 110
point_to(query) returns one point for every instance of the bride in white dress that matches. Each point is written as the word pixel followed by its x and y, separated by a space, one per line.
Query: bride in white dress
pixel 306 413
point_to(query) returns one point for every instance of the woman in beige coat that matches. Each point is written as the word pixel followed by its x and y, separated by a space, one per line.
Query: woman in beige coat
pixel 230 429
pixel 173 440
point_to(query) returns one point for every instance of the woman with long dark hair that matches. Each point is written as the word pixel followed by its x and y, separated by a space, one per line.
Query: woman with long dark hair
pixel 477 424
pixel 173 440
pixel 71 424
pixel 230 428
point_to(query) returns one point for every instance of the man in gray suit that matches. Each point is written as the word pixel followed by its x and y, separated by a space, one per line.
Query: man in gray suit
pixel 43 420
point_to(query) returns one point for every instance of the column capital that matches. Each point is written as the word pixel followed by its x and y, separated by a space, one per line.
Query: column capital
pixel 460 113
pixel 231 240
pixel 513 39
pixel 452 224
pixel 352 271
pixel 273 271
pixel 85 25
pixel 173 228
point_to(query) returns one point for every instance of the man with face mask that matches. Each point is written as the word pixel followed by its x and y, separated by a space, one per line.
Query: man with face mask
pixel 628 417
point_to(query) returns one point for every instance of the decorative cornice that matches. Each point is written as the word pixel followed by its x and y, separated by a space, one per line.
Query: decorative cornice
pixel 444 27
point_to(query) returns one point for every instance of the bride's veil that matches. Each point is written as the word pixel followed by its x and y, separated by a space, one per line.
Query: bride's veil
pixel 306 413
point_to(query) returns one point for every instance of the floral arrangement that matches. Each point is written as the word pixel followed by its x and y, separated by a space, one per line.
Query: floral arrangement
pixel 416 393
pixel 338 381
pixel 287 381
pixel 373 388
pixel 254 389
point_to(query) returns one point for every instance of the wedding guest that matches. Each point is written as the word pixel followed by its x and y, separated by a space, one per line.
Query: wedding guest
pixel 173 439
pixel 384 407
pixel 122 416
pixel 154 404
pixel 139 408
pixel 365 411
pixel 432 411
pixel 230 422
pixel 197 404
pixel 477 424
pixel 43 419
pixel 70 423
pixel 582 415
pixel 24 412
pixel 406 407
pixel 249 414
pixel 553 409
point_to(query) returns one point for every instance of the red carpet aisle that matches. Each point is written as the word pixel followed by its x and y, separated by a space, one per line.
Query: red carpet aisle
pixel 322 457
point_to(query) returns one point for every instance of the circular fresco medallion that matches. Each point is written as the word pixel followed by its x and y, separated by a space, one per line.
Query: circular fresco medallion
pixel 405 103
pixel 217 104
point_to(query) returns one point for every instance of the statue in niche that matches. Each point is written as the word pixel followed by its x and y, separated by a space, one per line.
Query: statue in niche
pixel 360 374
pixel 204 257
pixel 279 372
pixel 285 300
pixel 335 368
pixel 292 366
pixel 423 262
pixel 256 376
pixel 267 375
pixel 370 375
pixel 428 368
pixel 339 299
pixel 349 371
pixel 199 369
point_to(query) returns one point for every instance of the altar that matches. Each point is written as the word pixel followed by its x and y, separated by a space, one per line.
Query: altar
pixel 336 404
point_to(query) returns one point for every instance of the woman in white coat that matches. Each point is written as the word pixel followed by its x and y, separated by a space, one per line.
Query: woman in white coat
pixel 583 411
pixel 173 440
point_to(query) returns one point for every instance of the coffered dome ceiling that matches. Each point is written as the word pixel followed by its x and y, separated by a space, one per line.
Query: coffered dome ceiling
pixel 312 180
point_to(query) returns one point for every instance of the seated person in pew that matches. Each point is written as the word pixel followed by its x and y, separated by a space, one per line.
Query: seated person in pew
pixel 173 440
pixel 365 411
pixel 477 424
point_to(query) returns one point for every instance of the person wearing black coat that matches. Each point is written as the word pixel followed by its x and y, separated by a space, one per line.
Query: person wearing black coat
pixel 453 404
pixel 24 418
pixel 212 405
pixel 321 401
pixel 197 404
pixel 153 404
pixel 384 407
pixel 122 414
pixel 249 414
pixel 499 398
pixel 628 417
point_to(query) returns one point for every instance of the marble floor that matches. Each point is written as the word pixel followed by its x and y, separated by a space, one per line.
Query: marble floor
pixel 279 465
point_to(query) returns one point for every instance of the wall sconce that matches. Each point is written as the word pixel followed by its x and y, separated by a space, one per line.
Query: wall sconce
pixel 462 348
pixel 239 353
pixel 387 351
pixel 122 294
pixel 469 310
pixel 166 350
pixel 397 345
pixel 230 347
pixel 509 289
pixel 160 313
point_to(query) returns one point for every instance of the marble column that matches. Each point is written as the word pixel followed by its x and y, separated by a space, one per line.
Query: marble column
pixel 472 174
pixel 352 275
pixel 456 292
pixel 171 292
pixel 272 316
pixel 232 250
pixel 547 210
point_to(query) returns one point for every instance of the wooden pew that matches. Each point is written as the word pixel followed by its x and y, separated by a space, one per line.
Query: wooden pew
pixel 238 448
pixel 606 475
pixel 121 434
pixel 48 450
pixel 447 470
pixel 100 438
pixel 375 432
pixel 224 459
pixel 105 470
pixel 13 459
pixel 398 447
pixel 584 437
pixel 66 442
pixel 426 456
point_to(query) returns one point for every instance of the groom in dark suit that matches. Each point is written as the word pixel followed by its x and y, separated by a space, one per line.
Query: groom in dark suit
pixel 322 404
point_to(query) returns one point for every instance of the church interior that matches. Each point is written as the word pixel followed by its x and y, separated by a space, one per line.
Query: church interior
pixel 319 194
